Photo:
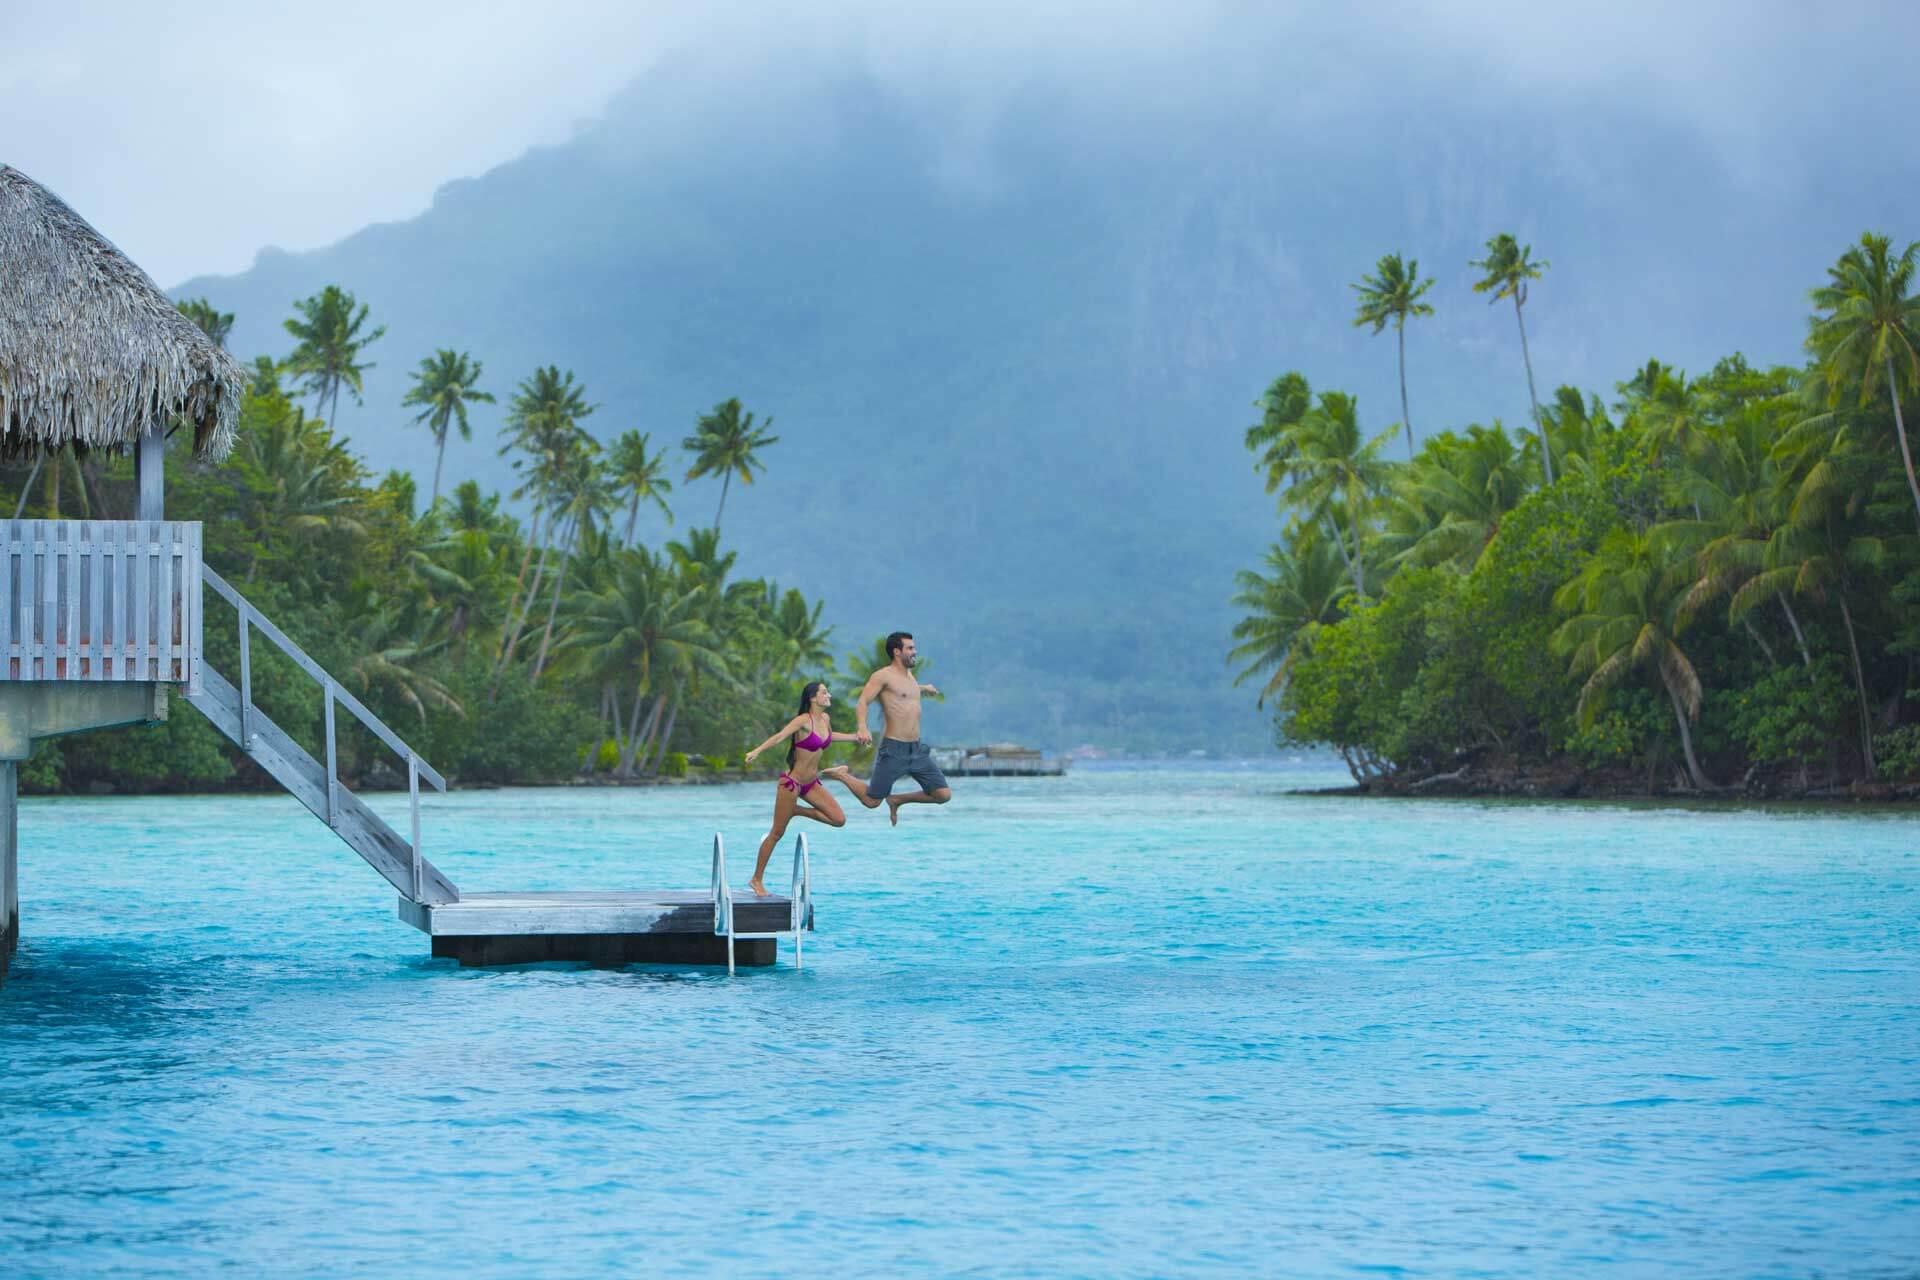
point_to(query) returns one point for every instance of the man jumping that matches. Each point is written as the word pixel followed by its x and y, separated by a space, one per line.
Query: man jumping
pixel 901 751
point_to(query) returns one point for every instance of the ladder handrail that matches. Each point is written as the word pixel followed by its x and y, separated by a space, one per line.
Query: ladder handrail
pixel 799 904
pixel 334 689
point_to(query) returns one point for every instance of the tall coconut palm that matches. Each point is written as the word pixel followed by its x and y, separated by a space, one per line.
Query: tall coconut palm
pixel 443 386
pixel 1393 293
pixel 330 346
pixel 542 432
pixel 641 474
pixel 1305 588
pixel 1625 605
pixel 1869 329
pixel 1508 268
pixel 727 444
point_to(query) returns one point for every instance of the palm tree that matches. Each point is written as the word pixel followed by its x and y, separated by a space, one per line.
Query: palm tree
pixel 386 661
pixel 1307 590
pixel 726 443
pixel 1736 491
pixel 1335 471
pixel 212 321
pixel 641 475
pixel 443 387
pixel 800 640
pixel 1508 269
pixel 1271 440
pixel 645 628
pixel 584 497
pixel 1394 293
pixel 543 432
pixel 1822 560
pixel 1578 428
pixel 1823 548
pixel 1625 603
pixel 266 377
pixel 1869 326
pixel 295 478
pixel 330 346
pixel 1449 503
pixel 464 561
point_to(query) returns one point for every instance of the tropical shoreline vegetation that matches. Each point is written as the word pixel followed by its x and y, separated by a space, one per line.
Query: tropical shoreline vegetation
pixel 1709 585
pixel 554 650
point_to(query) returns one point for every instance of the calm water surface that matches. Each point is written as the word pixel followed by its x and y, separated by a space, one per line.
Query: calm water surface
pixel 1168 1022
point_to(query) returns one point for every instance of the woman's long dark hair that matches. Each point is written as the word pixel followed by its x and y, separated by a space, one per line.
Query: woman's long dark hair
pixel 806 705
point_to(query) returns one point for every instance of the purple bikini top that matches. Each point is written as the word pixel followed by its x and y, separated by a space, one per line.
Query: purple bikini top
pixel 814 741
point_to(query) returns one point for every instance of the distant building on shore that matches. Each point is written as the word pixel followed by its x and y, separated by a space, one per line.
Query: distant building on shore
pixel 998 760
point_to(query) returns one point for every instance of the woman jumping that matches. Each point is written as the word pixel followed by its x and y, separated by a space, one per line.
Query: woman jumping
pixel 800 793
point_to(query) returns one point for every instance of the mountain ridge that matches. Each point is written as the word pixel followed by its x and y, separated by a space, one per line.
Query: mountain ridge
pixel 1010 386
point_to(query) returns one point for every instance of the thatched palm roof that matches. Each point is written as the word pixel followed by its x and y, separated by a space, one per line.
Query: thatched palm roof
pixel 90 350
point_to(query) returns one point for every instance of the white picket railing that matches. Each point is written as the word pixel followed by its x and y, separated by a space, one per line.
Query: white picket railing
pixel 100 600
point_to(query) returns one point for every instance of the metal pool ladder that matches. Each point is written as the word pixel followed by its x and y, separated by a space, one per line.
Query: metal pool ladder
pixel 799 901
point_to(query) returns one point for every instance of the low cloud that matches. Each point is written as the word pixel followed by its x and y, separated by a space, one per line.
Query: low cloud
pixel 195 135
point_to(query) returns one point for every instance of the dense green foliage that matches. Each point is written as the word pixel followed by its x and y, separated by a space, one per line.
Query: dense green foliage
pixel 1721 576
pixel 502 653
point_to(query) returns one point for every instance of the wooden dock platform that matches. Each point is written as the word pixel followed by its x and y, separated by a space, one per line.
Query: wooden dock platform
pixel 630 926
pixel 657 926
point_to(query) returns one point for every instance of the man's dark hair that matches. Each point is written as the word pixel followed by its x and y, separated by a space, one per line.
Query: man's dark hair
pixel 896 642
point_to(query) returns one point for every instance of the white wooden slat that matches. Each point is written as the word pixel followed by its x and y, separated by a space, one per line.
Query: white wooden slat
pixel 9 575
pixel 142 598
pixel 163 619
pixel 73 648
pixel 50 601
pixel 29 597
pixel 196 601
pixel 115 607
pixel 96 602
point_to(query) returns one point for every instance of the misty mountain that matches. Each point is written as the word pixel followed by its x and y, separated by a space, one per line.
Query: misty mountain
pixel 1010 368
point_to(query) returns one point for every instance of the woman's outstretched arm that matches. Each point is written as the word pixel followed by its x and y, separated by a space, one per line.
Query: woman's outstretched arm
pixel 784 731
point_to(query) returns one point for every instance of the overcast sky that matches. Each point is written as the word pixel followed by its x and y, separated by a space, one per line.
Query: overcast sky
pixel 193 134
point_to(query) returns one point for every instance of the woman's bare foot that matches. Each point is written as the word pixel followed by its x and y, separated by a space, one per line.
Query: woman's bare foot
pixel 759 890
pixel 893 811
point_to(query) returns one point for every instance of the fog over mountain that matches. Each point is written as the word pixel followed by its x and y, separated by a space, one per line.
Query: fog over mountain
pixel 1010 330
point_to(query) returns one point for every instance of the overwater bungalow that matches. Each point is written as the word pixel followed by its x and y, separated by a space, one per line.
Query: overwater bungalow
pixel 100 618
pixel 999 760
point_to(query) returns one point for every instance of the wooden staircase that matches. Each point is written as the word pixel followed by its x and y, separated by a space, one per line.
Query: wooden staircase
pixel 313 783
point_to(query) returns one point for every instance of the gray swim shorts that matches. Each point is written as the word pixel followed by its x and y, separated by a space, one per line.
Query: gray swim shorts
pixel 896 759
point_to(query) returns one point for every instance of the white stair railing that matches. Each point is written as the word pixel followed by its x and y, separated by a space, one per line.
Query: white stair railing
pixel 334 694
pixel 799 901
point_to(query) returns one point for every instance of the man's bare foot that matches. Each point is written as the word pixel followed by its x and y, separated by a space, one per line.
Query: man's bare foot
pixel 839 771
pixel 893 811
pixel 759 890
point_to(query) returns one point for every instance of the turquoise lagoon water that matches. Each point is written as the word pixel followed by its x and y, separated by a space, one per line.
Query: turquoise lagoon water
pixel 1158 1022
